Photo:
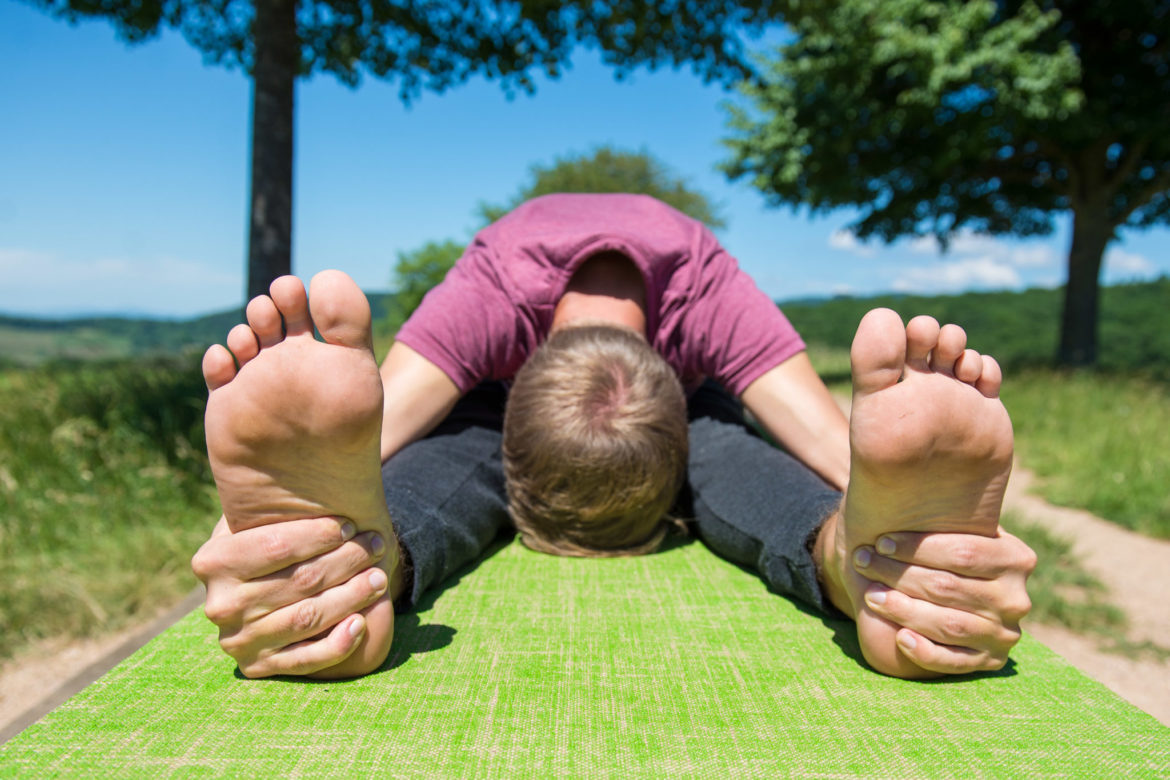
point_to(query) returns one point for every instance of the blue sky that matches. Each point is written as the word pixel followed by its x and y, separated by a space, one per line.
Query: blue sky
pixel 124 178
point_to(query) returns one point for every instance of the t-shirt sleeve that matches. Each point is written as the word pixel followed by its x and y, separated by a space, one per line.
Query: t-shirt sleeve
pixel 738 332
pixel 468 325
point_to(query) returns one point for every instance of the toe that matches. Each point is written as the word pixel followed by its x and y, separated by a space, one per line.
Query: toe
pixel 969 367
pixel 921 337
pixel 242 342
pixel 218 367
pixel 264 318
pixel 990 378
pixel 288 293
pixel 878 355
pixel 340 310
pixel 952 340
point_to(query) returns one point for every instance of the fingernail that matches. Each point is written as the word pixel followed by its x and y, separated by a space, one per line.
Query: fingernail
pixel 907 640
pixel 356 625
pixel 377 546
pixel 886 546
pixel 378 580
pixel 347 531
pixel 875 597
pixel 862 557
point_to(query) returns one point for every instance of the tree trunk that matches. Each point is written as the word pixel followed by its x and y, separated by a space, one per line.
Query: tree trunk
pixel 274 73
pixel 1091 233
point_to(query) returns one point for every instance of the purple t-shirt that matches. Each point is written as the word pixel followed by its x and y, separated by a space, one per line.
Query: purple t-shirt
pixel 703 315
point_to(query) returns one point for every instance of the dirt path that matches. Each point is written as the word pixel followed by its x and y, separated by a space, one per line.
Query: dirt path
pixel 1135 568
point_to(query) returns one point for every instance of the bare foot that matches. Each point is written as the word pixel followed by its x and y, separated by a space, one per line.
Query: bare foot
pixel 294 432
pixel 931 450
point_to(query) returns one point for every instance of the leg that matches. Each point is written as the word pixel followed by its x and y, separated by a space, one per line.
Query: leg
pixel 753 503
pixel 445 493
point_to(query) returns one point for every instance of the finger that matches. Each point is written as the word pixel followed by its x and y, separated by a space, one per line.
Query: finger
pixel 968 554
pixel 942 625
pixel 306 618
pixel 937 586
pixel 308 578
pixel 256 552
pixel 311 655
pixel 945 659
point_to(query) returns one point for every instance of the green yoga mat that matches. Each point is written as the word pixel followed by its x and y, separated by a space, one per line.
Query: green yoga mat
pixel 526 665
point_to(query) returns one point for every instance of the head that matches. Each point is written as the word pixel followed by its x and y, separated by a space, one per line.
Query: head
pixel 595 443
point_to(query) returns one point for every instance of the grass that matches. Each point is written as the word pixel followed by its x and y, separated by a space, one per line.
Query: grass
pixel 1097 442
pixel 104 495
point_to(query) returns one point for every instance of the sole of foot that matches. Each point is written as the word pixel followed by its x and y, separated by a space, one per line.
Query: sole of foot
pixel 931 447
pixel 293 423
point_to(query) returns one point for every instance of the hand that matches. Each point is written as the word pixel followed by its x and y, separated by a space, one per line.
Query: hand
pixel 284 596
pixel 958 598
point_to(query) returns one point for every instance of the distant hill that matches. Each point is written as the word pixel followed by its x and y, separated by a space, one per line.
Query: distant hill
pixel 1019 328
pixel 31 341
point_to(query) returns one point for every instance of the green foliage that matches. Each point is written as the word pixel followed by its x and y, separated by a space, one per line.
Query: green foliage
pixel 104 494
pixel 610 170
pixel 928 116
pixel 435 45
pixel 415 273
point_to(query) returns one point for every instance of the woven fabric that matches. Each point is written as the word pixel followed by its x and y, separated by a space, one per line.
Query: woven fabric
pixel 676 664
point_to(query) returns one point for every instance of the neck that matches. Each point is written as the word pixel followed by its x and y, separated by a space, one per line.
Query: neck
pixel 608 289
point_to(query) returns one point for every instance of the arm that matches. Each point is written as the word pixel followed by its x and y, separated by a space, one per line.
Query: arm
pixel 795 407
pixel 417 395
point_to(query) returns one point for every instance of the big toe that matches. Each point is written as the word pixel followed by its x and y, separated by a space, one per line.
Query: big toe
pixel 878 355
pixel 340 310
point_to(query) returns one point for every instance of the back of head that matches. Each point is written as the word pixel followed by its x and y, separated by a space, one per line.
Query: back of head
pixel 595 444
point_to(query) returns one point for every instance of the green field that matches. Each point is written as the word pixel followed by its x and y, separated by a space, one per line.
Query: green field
pixel 105 491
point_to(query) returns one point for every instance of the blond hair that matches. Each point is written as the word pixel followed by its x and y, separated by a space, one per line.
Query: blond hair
pixel 595 444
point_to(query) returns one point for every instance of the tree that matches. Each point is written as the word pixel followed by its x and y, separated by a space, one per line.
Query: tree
pixel 934 115
pixel 415 273
pixel 605 170
pixel 611 170
pixel 431 45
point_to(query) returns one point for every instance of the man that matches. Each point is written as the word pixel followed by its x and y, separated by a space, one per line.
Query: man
pixel 302 570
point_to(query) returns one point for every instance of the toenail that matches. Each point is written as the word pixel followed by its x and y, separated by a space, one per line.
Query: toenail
pixel 378 580
pixel 862 557
pixel 886 546
pixel 377 546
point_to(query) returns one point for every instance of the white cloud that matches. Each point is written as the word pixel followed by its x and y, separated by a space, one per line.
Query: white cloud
pixel 986 273
pixel 967 244
pixel 846 241
pixel 1118 262
pixel 45 283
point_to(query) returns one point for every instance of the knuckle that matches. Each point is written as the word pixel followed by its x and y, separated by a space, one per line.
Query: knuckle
pixel 965 556
pixel 305 617
pixel 956 628
pixel 232 643
pixel 942 585
pixel 205 563
pixel 221 609
pixel 1028 560
pixel 308 579
pixel 273 545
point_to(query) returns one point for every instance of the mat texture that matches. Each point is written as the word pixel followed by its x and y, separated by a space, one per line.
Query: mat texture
pixel 675 664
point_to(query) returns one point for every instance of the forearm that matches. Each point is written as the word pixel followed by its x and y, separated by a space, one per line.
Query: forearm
pixel 417 395
pixel 795 407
